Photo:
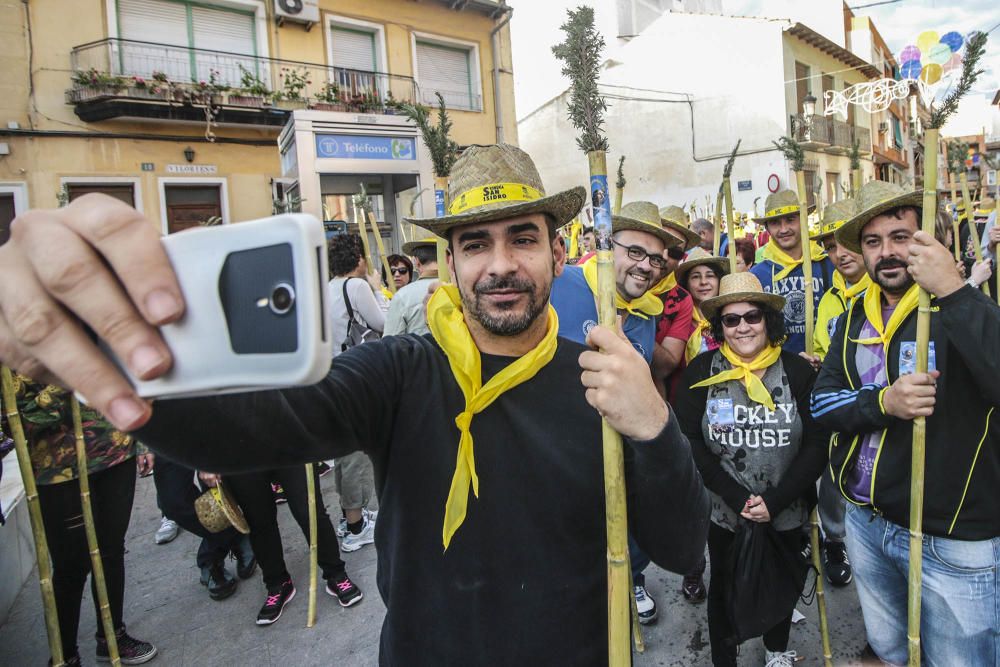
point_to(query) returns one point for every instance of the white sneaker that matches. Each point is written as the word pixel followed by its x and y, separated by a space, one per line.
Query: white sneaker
pixel 341 528
pixel 645 606
pixel 352 542
pixel 779 658
pixel 167 531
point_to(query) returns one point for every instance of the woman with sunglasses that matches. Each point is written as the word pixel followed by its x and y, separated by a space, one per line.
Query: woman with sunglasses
pixel 402 271
pixel 745 410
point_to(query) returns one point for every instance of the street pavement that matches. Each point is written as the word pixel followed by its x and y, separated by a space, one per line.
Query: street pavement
pixel 165 604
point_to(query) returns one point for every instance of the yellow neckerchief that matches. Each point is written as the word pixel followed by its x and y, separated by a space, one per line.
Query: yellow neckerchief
pixel 646 306
pixel 779 256
pixel 387 294
pixel 447 324
pixel 664 285
pixel 697 337
pixel 873 311
pixel 741 370
pixel 849 293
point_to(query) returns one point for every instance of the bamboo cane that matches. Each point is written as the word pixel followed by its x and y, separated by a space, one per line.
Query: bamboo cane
pixel 441 207
pixel 973 230
pixel 717 234
pixel 96 562
pixel 955 229
pixel 359 215
pixel 730 227
pixel 313 545
pixel 35 517
pixel 381 251
pixel 619 187
pixel 807 273
pixel 824 621
pixel 619 584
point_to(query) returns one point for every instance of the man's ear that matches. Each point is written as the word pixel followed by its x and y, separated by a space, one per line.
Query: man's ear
pixel 558 256
pixel 451 265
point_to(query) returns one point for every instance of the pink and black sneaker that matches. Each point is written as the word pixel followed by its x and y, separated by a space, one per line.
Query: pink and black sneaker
pixel 341 587
pixel 277 597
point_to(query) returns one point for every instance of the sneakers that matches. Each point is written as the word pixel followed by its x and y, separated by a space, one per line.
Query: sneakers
pixel 645 606
pixel 246 562
pixel 279 494
pixel 693 588
pixel 277 597
pixel 341 528
pixel 73 661
pixel 352 542
pixel 221 584
pixel 779 658
pixel 167 531
pixel 322 468
pixel 341 587
pixel 836 564
pixel 132 651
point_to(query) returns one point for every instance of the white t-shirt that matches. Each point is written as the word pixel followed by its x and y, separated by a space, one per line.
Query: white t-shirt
pixel 369 308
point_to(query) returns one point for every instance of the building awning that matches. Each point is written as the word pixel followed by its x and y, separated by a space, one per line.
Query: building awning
pixel 489 7
pixel 818 41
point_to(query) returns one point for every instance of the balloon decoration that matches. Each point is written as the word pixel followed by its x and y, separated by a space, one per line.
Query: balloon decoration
pixel 931 57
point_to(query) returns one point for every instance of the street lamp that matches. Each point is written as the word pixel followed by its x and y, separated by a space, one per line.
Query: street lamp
pixel 809 105
pixel 189 154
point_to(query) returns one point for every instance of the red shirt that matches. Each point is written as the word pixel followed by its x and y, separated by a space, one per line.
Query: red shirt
pixel 676 319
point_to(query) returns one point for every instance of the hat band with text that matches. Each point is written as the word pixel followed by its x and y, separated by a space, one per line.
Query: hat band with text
pixel 492 194
pixel 784 210
pixel 831 227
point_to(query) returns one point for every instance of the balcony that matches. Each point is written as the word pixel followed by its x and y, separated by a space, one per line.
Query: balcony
pixel 829 134
pixel 117 78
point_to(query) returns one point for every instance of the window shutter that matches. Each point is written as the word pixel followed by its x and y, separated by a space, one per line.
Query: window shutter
pixel 353 49
pixel 445 70
pixel 219 30
pixel 152 21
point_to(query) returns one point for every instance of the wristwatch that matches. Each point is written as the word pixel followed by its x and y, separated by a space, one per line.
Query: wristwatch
pixel 971 282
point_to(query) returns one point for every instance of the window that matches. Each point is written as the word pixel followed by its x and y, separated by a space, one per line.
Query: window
pixel 191 205
pixel 125 193
pixel 833 192
pixel 6 215
pixel 150 26
pixel 802 85
pixel 353 49
pixel 827 86
pixel 810 178
pixel 897 132
pixel 447 69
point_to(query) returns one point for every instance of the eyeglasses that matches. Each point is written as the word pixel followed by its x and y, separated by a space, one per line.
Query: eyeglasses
pixel 637 254
pixel 398 271
pixel 732 320
pixel 675 253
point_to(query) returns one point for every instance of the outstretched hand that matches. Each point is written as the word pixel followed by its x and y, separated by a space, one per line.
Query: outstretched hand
pixel 620 386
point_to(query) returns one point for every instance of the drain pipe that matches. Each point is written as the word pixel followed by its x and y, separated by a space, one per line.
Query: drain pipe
pixel 507 12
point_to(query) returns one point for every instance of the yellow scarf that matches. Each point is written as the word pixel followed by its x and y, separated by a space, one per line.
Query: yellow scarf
pixel 646 306
pixel 744 371
pixel 779 256
pixel 665 285
pixel 447 324
pixel 697 337
pixel 873 311
pixel 387 294
pixel 840 284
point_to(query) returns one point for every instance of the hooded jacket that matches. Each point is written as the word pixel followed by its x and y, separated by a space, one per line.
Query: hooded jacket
pixel 963 437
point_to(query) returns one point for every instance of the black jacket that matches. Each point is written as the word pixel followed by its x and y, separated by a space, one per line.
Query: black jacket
pixel 963 439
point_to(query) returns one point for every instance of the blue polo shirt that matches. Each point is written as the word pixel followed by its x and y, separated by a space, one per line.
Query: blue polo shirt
pixel 574 303
pixel 793 288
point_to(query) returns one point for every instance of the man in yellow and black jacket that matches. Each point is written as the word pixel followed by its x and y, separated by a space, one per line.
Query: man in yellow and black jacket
pixel 868 391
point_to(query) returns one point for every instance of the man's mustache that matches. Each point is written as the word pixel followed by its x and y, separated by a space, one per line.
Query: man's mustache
pixel 890 263
pixel 503 283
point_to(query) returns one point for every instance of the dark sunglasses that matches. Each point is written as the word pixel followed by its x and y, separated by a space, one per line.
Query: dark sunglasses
pixel 675 253
pixel 398 271
pixel 732 320
pixel 637 254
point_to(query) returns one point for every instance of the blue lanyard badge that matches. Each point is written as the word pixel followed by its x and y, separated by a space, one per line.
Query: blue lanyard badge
pixel 908 358
pixel 721 414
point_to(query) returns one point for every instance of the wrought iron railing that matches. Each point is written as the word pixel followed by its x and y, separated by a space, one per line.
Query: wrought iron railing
pixel 825 131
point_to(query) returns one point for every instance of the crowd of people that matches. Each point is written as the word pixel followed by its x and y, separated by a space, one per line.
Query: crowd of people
pixel 471 409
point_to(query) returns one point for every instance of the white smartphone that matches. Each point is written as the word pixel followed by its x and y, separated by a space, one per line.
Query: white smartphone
pixel 256 315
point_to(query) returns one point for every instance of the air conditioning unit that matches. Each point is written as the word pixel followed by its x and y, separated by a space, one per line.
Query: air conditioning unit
pixel 883 127
pixel 299 11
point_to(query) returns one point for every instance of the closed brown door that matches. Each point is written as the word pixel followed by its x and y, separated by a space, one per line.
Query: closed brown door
pixel 6 215
pixel 191 205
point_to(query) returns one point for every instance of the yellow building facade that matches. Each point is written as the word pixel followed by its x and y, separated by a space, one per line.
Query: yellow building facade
pixel 177 106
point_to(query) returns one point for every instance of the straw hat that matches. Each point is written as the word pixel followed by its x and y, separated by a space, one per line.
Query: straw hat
pixel 737 288
pixel 410 246
pixel 643 216
pixel 780 204
pixel 987 206
pixel 834 217
pixel 873 199
pixel 497 182
pixel 217 511
pixel 699 257
pixel 673 217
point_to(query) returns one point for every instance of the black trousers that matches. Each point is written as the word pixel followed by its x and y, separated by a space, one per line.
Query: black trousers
pixel 175 496
pixel 111 494
pixel 253 493
pixel 719 628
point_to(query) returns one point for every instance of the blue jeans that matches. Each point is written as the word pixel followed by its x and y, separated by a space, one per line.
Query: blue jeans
pixel 960 609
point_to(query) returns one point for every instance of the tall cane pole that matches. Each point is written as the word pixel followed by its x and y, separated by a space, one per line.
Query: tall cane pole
pixel 35 517
pixel 381 251
pixel 973 230
pixel 807 273
pixel 727 190
pixel 619 187
pixel 955 228
pixel 717 234
pixel 441 207
pixel 313 546
pixel 619 584
pixel 96 562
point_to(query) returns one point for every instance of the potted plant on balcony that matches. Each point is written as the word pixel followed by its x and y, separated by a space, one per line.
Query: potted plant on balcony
pixel 156 87
pixel 365 102
pixel 94 84
pixel 208 92
pixel 292 93
pixel 253 92
pixel 328 98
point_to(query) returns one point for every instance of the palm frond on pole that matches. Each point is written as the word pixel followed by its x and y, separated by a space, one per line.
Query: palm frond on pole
pixel 35 517
pixel 727 190
pixel 717 233
pixel 953 156
pixel 975 47
pixel 581 54
pixel 619 186
pixel 855 158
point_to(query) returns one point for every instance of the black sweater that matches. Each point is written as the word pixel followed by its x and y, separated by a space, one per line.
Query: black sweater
pixel 799 480
pixel 534 539
pixel 962 438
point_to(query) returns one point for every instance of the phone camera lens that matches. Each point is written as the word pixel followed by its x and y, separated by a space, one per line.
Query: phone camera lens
pixel 282 299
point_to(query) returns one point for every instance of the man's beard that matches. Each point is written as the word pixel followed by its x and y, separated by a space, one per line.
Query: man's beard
pixel 506 322
pixel 895 286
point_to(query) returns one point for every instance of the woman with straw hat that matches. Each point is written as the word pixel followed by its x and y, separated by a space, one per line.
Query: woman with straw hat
pixel 745 411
